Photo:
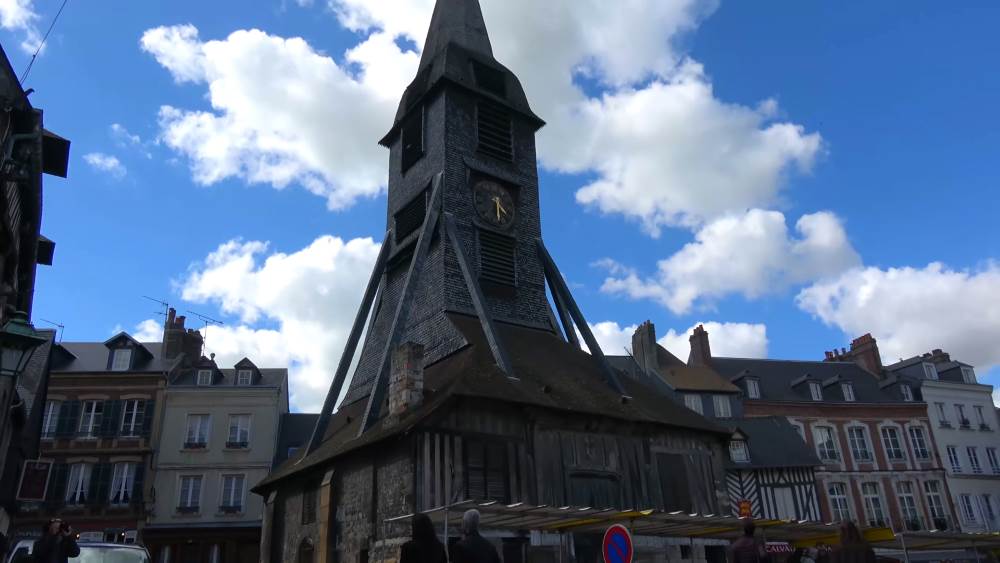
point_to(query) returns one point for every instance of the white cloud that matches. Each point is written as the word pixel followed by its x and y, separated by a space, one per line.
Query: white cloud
pixel 148 330
pixel 295 309
pixel 19 15
pixel 911 311
pixel 664 149
pixel 740 340
pixel 127 140
pixel 282 112
pixel 750 254
pixel 106 163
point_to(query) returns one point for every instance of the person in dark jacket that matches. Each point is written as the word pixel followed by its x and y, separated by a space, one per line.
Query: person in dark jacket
pixel 57 544
pixel 747 549
pixel 853 548
pixel 425 547
pixel 473 548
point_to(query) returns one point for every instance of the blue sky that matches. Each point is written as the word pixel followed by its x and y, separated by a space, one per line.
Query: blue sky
pixel 799 173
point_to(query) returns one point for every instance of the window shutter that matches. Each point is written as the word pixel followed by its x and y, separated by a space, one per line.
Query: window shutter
pixel 476 470
pixel 100 484
pixel 65 426
pixel 496 472
pixel 111 419
pixel 413 139
pixel 411 216
pixel 57 483
pixel 137 484
pixel 497 258
pixel 147 418
pixel 494 129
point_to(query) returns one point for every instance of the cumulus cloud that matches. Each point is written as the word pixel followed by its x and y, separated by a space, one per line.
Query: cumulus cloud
pixel 20 16
pixel 283 113
pixel 740 340
pixel 295 309
pixel 751 254
pixel 912 310
pixel 663 149
pixel 106 163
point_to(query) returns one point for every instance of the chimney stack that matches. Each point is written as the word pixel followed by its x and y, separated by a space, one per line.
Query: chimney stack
pixel 173 335
pixel 406 379
pixel 701 351
pixel 864 352
pixel 644 347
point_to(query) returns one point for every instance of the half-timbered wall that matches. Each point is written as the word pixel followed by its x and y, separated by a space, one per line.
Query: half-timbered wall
pixel 769 491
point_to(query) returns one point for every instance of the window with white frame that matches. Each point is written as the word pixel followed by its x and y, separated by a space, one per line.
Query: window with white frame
pixel 848 390
pixel 980 416
pixel 50 420
pixel 974 465
pixel 204 377
pixel 919 442
pixel 753 388
pixel 722 407
pixel 960 412
pixel 994 461
pixel 239 431
pixel 232 491
pixel 91 416
pixel 197 431
pixel 693 402
pixel 930 372
pixel 858 439
pixel 738 451
pixel 78 483
pixel 122 481
pixel 244 377
pixel 189 499
pixel 907 393
pixel 121 359
pixel 968 375
pixel 838 502
pixel 932 489
pixel 874 510
pixel 892 443
pixel 942 415
pixel 968 508
pixel 908 504
pixel 133 411
pixel 956 464
pixel 826 443
pixel 815 391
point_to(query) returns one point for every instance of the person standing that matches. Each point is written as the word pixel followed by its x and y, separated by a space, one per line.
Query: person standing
pixel 57 544
pixel 747 549
pixel 853 548
pixel 473 548
pixel 425 547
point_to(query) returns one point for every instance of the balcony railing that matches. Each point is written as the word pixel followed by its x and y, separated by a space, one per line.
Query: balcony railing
pixel 231 509
pixel 237 445
pixel 966 423
pixel 195 445
pixel 985 427
pixel 913 524
pixel 187 509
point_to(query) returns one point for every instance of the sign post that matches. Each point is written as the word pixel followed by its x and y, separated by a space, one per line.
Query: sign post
pixel 617 545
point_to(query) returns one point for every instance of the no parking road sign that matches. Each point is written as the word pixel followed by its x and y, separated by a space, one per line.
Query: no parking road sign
pixel 617 546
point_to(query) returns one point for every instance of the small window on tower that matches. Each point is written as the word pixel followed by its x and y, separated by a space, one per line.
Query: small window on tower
pixel 411 217
pixel 497 258
pixel 413 138
pixel 490 79
pixel 494 129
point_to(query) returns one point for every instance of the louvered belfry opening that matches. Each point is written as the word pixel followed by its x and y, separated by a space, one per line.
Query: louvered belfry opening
pixel 413 139
pixel 497 258
pixel 490 79
pixel 411 217
pixel 494 130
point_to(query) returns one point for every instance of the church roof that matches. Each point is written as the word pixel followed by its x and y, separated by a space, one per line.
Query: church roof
pixel 552 375
pixel 459 22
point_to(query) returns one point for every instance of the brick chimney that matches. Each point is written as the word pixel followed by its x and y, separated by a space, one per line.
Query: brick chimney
pixel 644 347
pixel 406 379
pixel 701 351
pixel 864 352
pixel 173 335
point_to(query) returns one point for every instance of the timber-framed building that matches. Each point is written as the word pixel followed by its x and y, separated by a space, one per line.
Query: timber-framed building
pixel 469 384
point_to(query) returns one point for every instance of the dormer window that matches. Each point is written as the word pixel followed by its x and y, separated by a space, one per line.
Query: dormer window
pixel 930 371
pixel 848 390
pixel 121 359
pixel 815 391
pixel 968 375
pixel 204 377
pixel 907 393
pixel 753 388
pixel 739 452
pixel 244 377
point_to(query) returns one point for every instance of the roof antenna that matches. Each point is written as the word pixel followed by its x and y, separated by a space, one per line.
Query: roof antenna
pixel 208 321
pixel 59 332
pixel 166 306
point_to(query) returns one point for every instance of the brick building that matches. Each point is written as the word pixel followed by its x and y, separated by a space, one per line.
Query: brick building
pixel 873 436
pixel 468 384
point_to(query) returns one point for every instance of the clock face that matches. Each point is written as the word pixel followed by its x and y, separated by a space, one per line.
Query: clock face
pixel 494 203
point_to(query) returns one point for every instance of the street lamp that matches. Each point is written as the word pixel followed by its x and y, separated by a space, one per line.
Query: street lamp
pixel 18 341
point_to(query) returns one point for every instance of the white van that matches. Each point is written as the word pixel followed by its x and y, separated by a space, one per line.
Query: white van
pixel 90 552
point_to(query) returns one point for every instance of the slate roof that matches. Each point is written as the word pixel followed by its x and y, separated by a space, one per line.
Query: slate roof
pixel 294 431
pixel 773 442
pixel 269 377
pixel 92 357
pixel 778 379
pixel 676 374
pixel 552 375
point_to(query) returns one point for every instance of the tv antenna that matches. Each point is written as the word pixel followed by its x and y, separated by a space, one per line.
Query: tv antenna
pixel 166 306
pixel 59 332
pixel 208 321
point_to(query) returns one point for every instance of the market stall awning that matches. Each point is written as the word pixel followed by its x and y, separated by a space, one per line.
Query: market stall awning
pixel 660 523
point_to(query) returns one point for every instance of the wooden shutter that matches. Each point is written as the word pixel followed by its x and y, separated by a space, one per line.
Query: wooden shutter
pixel 496 472
pixel 411 217
pixel 475 470
pixel 100 483
pixel 69 419
pixel 497 258
pixel 57 484
pixel 494 130
pixel 111 419
pixel 138 483
pixel 147 418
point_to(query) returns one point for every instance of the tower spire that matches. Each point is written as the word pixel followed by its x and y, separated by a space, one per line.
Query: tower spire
pixel 460 22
